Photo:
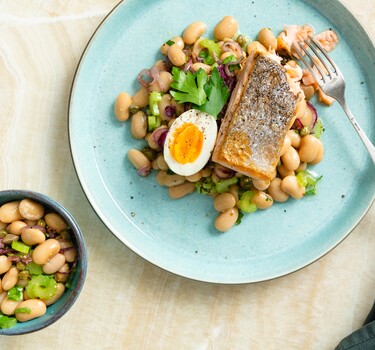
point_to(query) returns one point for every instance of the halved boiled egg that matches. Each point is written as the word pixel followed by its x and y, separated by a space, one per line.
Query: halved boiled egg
pixel 190 141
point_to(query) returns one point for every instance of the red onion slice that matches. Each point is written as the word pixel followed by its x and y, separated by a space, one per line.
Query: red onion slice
pixel 314 113
pixel 140 77
pixel 222 172
pixel 144 171
pixel 159 135
pixel 41 228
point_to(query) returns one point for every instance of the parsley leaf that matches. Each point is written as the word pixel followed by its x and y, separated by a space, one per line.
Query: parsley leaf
pixel 217 94
pixel 189 86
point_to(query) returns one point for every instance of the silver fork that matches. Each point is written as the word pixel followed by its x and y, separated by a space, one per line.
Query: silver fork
pixel 331 81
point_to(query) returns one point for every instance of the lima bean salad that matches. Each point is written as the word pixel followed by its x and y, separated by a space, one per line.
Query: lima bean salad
pixel 182 100
pixel 37 260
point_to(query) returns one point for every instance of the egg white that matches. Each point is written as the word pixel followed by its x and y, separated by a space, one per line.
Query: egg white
pixel 206 123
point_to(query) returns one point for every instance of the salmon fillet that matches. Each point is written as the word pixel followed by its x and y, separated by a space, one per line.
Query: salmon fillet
pixel 259 114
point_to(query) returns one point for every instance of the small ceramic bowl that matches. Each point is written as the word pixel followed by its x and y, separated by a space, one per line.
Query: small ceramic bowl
pixel 59 308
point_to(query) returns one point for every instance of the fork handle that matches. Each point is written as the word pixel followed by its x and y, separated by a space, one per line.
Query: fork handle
pixel 370 147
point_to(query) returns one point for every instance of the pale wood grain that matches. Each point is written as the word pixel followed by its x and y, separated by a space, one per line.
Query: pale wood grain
pixel 133 304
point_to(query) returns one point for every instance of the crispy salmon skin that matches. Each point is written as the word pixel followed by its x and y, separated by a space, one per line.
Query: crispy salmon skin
pixel 259 114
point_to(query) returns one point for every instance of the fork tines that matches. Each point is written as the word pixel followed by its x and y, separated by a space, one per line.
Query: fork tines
pixel 317 60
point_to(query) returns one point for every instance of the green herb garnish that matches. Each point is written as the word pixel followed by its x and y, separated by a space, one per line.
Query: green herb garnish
pixel 22 310
pixel 217 94
pixel 170 42
pixel 240 216
pixel 189 86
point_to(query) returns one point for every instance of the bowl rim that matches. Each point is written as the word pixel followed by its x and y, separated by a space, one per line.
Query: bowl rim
pixel 16 194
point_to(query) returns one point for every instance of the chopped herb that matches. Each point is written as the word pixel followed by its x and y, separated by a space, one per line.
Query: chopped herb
pixel 22 310
pixel 170 42
pixel 217 94
pixel 245 203
pixel 7 322
pixel 189 87
pixel 205 186
pixel 240 216
pixel 15 293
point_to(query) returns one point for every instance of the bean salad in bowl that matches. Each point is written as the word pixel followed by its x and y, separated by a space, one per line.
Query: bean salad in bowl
pixel 42 261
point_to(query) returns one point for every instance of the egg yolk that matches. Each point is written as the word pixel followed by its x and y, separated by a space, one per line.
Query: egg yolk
pixel 186 143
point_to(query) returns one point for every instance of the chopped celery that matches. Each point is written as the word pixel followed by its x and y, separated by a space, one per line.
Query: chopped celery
pixel 15 293
pixel 153 122
pixel 20 247
pixel 153 102
pixel 212 47
pixel 34 269
pixel 318 128
pixel 223 185
pixel 42 287
pixel 230 58
pixel 205 186
pixel 245 203
pixel 7 322
pixel 309 180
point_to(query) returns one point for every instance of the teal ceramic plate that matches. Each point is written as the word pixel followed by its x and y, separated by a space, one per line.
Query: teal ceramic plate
pixel 178 235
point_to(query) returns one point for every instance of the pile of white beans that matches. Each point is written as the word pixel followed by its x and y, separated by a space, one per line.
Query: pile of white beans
pixel 298 150
pixel 27 221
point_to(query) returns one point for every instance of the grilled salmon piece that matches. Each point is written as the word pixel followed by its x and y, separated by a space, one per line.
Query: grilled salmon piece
pixel 259 114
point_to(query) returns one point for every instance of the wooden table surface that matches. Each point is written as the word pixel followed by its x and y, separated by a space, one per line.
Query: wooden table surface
pixel 133 304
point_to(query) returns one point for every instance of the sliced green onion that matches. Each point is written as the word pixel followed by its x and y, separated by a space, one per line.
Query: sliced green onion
pixel 170 42
pixel 245 204
pixel 153 102
pixel 20 247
